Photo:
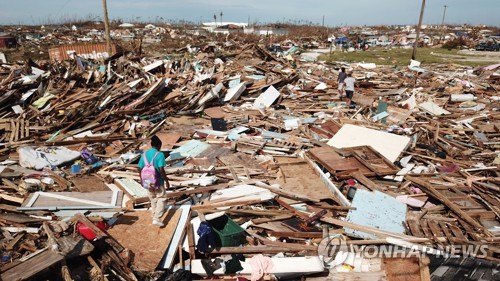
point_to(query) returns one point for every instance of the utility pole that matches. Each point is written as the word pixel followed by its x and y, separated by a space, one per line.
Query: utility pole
pixel 414 55
pixel 106 26
pixel 442 24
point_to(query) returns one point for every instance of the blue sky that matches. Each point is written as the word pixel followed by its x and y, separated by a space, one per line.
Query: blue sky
pixel 336 13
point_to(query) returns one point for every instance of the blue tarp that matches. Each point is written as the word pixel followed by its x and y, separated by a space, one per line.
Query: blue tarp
pixel 342 40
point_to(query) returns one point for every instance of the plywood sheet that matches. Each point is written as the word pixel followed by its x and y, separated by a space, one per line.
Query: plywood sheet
pixel 402 269
pixel 387 144
pixel 239 159
pixel 168 140
pixel 301 178
pixel 89 184
pixel 148 242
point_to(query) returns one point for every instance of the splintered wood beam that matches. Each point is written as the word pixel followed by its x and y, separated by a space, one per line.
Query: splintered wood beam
pixel 285 205
pixel 12 244
pixel 191 242
pixel 97 231
pixel 365 181
pixel 295 234
pixel 285 245
pixel 367 229
pixel 225 204
pixel 254 250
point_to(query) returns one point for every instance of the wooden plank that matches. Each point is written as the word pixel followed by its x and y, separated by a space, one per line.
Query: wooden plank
pixel 19 218
pixel 83 219
pixel 371 230
pixel 424 262
pixel 415 228
pixel 12 130
pixel 365 181
pixel 33 266
pixel 225 204
pixel 457 232
pixel 281 244
pixel 470 231
pixel 276 218
pixel 176 239
pixel 21 129
pixel 191 242
pixel 254 250
pixel 16 131
pixel 197 190
pixel 435 228
pixel 294 234
pixel 425 228
pixel 299 214
pixel 11 198
pixel 446 231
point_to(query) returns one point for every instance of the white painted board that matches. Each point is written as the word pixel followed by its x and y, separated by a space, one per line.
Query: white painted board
pixel 233 94
pixel 267 98
pixel 387 144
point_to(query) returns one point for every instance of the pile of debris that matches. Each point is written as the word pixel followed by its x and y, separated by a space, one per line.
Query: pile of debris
pixel 270 173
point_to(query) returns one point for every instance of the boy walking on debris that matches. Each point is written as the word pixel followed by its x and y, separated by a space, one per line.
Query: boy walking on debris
pixel 349 88
pixel 156 190
pixel 340 80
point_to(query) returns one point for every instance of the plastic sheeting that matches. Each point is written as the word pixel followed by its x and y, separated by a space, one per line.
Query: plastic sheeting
pixel 30 157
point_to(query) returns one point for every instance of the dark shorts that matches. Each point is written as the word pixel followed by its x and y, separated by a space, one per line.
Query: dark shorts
pixel 349 94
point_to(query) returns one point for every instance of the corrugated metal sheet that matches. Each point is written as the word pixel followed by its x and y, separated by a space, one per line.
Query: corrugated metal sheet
pixel 93 51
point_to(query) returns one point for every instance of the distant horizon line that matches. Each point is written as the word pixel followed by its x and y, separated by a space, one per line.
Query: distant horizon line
pixel 210 23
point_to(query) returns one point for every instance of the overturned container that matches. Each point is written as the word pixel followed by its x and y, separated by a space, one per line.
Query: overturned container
pixel 462 97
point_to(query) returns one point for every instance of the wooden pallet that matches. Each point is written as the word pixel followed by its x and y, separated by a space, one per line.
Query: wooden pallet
pixel 15 129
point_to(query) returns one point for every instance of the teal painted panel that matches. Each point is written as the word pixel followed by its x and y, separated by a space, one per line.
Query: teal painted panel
pixel 190 149
pixel 375 209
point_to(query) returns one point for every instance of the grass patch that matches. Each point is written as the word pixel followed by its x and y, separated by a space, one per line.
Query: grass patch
pixel 401 57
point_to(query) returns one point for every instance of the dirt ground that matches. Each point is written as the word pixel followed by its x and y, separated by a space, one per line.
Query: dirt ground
pixel 147 242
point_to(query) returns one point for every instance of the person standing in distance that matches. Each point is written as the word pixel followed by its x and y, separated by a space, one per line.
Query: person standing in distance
pixel 340 80
pixel 156 188
pixel 349 88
